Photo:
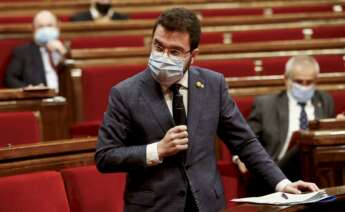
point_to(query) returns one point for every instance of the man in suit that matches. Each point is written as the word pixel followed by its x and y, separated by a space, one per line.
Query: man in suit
pixel 35 63
pixel 100 11
pixel 275 117
pixel 170 155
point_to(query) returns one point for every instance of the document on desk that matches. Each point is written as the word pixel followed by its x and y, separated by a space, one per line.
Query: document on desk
pixel 280 198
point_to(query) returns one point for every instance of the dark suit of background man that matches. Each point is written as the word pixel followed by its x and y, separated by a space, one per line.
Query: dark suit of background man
pixel 36 63
pixel 100 11
pixel 173 168
pixel 276 116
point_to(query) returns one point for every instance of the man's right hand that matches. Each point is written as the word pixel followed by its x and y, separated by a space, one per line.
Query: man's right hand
pixel 174 141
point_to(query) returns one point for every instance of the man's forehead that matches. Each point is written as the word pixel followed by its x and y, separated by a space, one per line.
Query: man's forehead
pixel 171 38
pixel 45 18
pixel 302 72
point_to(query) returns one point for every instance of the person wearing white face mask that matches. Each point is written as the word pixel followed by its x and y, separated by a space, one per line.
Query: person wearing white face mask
pixel 160 126
pixel 36 63
pixel 275 117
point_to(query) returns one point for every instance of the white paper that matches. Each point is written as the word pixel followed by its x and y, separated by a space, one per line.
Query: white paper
pixel 280 198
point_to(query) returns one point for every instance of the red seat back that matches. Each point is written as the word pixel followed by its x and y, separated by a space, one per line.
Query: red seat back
pixel 332 31
pixel 19 128
pixel 212 38
pixel 244 103
pixel 229 68
pixel 231 12
pixel 107 41
pixel 7 47
pixel 339 103
pixel 96 85
pixel 330 63
pixel 89 191
pixel 267 35
pixel 273 65
pixel 39 192
pixel 303 9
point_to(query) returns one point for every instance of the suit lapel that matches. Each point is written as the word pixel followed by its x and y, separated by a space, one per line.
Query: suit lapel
pixel 38 63
pixel 152 93
pixel 283 115
pixel 317 106
pixel 196 98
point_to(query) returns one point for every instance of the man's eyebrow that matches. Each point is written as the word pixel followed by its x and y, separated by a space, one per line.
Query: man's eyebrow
pixel 156 41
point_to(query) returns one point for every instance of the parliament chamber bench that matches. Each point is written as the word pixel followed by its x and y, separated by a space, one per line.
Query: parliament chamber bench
pixel 52 109
pixel 24 12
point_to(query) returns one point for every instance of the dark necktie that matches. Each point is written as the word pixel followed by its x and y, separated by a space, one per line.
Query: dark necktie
pixel 179 112
pixel 303 119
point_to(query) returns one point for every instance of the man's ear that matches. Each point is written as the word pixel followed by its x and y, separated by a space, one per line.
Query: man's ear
pixel 194 53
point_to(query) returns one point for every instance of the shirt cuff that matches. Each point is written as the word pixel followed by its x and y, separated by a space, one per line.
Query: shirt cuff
pixel 152 157
pixel 235 158
pixel 281 185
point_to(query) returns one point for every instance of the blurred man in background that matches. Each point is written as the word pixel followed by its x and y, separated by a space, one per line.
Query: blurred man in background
pixel 100 11
pixel 35 63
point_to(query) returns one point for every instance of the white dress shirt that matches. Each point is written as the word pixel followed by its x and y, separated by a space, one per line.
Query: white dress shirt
pixel 294 119
pixel 50 73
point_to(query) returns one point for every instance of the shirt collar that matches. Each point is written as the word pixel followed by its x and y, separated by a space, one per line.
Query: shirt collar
pixel 183 82
pixel 96 15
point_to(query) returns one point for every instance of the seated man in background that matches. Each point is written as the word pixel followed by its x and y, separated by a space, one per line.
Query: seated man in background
pixel 100 11
pixel 35 63
pixel 275 117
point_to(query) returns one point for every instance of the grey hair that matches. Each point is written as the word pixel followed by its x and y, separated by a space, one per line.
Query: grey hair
pixel 301 60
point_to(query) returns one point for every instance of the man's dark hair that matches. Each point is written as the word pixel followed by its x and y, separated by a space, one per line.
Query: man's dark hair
pixel 181 20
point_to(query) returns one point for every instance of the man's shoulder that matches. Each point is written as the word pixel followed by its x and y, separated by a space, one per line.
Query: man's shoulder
pixel 132 82
pixel 205 72
pixel 25 47
pixel 269 98
pixel 82 16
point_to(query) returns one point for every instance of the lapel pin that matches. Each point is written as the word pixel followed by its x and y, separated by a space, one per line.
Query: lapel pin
pixel 199 84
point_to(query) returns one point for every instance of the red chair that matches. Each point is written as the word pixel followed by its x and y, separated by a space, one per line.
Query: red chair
pixel 231 12
pixel 89 191
pixel 303 9
pixel 332 31
pixel 330 63
pixel 107 41
pixel 274 65
pixel 39 192
pixel 230 68
pixel 144 15
pixel 19 128
pixel 7 47
pixel 267 35
pixel 339 103
pixel 244 103
pixel 85 128
pixel 212 38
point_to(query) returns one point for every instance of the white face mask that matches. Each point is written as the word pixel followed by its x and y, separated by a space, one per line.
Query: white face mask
pixel 165 70
pixel 45 34
pixel 302 93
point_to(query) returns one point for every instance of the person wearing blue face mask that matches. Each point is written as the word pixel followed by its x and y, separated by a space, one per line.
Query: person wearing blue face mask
pixel 36 63
pixel 161 124
pixel 275 117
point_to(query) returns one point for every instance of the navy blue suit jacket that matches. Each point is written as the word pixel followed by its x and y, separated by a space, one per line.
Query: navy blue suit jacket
pixel 137 115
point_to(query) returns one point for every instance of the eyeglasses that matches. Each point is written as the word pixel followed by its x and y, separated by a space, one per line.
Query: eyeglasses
pixel 173 53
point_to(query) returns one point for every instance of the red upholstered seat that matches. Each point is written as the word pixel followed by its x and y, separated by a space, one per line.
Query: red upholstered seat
pixel 90 191
pixel 7 46
pixel 273 65
pixel 85 128
pixel 24 19
pixel 332 31
pixel 107 41
pixel 231 12
pixel 212 37
pixel 267 35
pixel 39 192
pixel 230 68
pixel 96 85
pixel 303 9
pixel 339 103
pixel 19 128
pixel 244 103
pixel 145 15
pixel 330 63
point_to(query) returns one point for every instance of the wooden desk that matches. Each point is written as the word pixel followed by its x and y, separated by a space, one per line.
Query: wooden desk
pixel 52 155
pixel 338 205
pixel 52 109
